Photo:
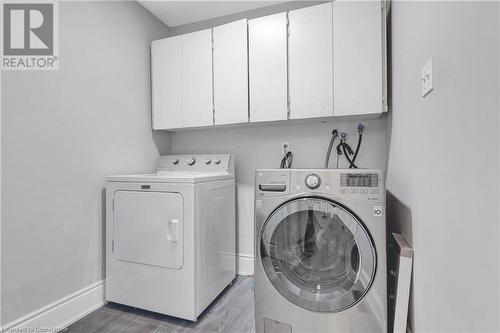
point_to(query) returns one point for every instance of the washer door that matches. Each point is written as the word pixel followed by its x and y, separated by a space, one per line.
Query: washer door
pixel 317 254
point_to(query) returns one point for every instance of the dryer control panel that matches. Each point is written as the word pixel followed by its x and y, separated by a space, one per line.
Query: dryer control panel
pixel 196 162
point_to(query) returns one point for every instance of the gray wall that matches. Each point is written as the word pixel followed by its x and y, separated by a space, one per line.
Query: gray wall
pixel 443 170
pixel 260 147
pixel 62 133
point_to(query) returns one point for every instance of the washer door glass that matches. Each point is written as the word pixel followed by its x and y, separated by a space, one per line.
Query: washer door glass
pixel 317 254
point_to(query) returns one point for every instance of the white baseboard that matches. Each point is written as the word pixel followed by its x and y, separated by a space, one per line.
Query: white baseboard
pixel 67 310
pixel 244 264
pixel 61 313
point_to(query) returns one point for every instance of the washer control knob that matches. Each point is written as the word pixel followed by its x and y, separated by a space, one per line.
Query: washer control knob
pixel 313 181
pixel 190 161
pixel 208 161
pixel 217 161
pixel 174 161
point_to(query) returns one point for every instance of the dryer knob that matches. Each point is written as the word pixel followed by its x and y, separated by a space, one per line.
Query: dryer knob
pixel 208 161
pixel 313 181
pixel 174 161
pixel 190 161
pixel 216 161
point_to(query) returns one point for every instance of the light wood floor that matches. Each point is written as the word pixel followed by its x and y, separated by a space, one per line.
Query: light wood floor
pixel 231 312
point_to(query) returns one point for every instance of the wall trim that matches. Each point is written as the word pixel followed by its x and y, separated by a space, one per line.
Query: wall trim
pixel 244 264
pixel 63 312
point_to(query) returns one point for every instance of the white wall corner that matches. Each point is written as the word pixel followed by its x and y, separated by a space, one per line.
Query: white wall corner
pixel 244 264
pixel 61 313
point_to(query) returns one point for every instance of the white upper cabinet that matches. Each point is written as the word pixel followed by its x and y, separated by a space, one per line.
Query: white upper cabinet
pixel 359 58
pixel 166 78
pixel 310 62
pixel 181 75
pixel 230 51
pixel 197 103
pixel 319 61
pixel 267 57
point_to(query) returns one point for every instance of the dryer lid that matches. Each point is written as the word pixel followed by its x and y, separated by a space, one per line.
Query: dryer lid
pixel 172 177
pixel 317 254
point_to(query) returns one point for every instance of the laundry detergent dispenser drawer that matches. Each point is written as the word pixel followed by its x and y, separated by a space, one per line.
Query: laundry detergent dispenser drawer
pixel 148 228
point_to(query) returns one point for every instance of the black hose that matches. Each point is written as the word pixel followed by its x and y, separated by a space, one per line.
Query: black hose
pixel 286 161
pixel 335 134
pixel 351 162
pixel 357 150
pixel 349 149
pixel 339 149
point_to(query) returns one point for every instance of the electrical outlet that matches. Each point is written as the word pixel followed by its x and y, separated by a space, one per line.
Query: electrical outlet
pixel 427 79
pixel 285 147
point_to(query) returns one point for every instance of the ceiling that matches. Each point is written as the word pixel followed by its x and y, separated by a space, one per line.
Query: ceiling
pixel 175 13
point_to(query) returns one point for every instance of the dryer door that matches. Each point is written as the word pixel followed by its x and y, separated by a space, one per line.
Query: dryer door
pixel 317 254
pixel 148 228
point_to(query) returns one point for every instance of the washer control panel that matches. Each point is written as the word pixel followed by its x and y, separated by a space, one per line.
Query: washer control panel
pixel 354 183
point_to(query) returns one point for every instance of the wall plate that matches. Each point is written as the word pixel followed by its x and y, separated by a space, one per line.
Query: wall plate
pixel 427 80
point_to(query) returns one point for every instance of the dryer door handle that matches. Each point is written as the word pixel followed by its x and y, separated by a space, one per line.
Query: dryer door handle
pixel 173 230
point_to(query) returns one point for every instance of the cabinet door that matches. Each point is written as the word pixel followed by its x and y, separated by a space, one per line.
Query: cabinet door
pixel 310 62
pixel 267 56
pixel 358 58
pixel 166 83
pixel 197 105
pixel 231 73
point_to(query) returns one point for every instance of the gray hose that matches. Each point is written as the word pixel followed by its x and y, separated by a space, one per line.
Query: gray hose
pixel 335 134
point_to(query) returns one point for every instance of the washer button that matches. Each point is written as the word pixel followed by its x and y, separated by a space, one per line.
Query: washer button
pixel 327 188
pixel 373 191
pixel 297 188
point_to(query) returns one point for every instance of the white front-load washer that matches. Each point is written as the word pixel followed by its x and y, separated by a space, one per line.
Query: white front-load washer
pixel 170 235
pixel 320 251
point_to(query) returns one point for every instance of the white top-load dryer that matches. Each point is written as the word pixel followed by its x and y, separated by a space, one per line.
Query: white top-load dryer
pixel 170 235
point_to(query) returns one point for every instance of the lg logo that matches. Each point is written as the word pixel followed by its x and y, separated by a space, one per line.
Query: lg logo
pixel 28 29
pixel 377 211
